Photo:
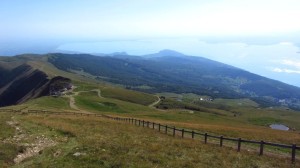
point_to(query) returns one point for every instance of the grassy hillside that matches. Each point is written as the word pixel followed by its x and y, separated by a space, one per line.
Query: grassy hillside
pixel 105 143
pixel 130 96
pixel 240 118
pixel 48 102
pixel 91 102
pixel 108 143
pixel 7 150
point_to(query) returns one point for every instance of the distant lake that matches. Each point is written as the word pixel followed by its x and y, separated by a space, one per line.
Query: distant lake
pixel 279 127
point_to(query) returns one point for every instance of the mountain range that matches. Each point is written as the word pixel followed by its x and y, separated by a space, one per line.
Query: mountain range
pixel 166 71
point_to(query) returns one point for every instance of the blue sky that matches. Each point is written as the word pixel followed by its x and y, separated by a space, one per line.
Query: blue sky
pixel 261 36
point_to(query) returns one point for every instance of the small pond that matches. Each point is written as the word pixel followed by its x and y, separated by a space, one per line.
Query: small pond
pixel 279 127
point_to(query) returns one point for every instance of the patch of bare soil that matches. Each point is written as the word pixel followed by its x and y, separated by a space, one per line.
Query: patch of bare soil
pixel 29 149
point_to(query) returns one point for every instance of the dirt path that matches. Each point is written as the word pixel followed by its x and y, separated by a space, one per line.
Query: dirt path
pixel 72 101
pixel 38 143
pixel 155 103
pixel 98 91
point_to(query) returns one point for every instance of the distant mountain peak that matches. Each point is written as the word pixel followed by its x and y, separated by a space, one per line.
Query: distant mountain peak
pixel 164 53
pixel 118 53
pixel 168 52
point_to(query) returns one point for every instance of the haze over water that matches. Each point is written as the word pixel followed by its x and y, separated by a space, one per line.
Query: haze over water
pixel 261 36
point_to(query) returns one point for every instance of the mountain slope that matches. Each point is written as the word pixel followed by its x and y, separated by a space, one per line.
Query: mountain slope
pixel 180 74
pixel 21 82
pixel 153 73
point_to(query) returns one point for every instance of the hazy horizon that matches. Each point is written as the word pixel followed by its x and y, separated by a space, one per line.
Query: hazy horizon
pixel 262 37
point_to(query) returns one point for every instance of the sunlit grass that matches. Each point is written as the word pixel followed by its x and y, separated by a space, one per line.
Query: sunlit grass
pixel 106 143
pixel 48 102
pixel 128 95
pixel 91 101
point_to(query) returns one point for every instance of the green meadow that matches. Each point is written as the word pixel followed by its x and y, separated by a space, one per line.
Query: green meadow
pixel 100 142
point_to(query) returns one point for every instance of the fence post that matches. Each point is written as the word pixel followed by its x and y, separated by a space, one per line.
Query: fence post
pixel 261 150
pixel 193 134
pixel 139 122
pixel 205 138
pixel 221 140
pixel 153 124
pixel 166 131
pixel 182 133
pixel 159 127
pixel 294 153
pixel 174 131
pixel 239 144
pixel 143 123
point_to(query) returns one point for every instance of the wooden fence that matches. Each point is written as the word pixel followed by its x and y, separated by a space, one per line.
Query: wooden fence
pixel 176 131
pixel 192 134
pixel 9 110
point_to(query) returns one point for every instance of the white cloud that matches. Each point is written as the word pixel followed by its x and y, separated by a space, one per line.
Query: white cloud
pixel 286 43
pixel 288 66
pixel 292 63
pixel 283 70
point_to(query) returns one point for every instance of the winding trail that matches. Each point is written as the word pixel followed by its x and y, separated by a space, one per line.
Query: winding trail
pixel 98 91
pixel 72 101
pixel 155 103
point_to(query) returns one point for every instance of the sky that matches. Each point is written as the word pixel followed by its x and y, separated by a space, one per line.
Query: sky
pixel 261 36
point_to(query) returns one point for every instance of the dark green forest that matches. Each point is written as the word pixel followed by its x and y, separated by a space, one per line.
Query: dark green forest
pixel 179 74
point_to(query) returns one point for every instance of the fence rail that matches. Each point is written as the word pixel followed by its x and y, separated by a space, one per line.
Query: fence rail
pixel 180 131
pixel 9 110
